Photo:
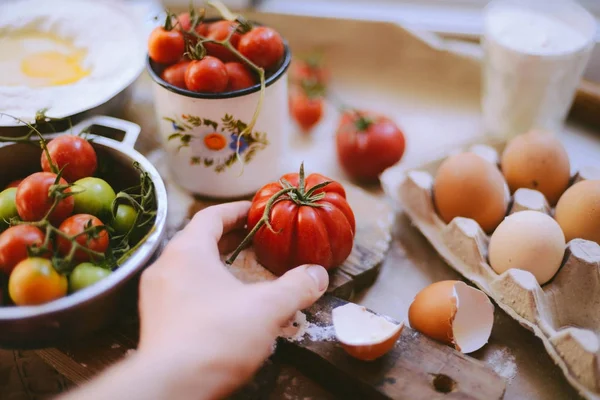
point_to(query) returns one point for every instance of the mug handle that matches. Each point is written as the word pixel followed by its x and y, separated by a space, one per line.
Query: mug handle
pixel 130 131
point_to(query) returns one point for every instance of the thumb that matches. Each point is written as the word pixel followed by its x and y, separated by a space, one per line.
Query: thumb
pixel 297 289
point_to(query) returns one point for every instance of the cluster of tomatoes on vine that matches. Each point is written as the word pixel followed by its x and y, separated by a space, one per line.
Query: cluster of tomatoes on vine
pixel 213 57
pixel 367 143
pixel 54 238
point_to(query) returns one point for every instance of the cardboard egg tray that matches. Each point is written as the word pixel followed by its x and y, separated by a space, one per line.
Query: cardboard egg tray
pixel 564 313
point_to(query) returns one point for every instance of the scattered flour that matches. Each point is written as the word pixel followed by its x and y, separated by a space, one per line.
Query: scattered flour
pixel 115 346
pixel 299 329
pixel 504 363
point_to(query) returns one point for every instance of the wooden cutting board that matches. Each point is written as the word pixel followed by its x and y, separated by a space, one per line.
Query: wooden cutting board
pixel 417 368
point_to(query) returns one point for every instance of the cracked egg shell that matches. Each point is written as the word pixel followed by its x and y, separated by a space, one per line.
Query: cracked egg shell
pixel 454 313
pixel 363 334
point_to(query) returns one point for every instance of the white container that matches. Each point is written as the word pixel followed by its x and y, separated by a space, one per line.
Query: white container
pixel 535 54
pixel 211 122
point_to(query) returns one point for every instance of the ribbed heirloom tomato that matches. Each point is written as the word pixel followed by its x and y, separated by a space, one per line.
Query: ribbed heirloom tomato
pixel 310 223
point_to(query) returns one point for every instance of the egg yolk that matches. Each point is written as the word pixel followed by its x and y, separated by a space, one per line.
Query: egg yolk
pixel 54 67
pixel 215 141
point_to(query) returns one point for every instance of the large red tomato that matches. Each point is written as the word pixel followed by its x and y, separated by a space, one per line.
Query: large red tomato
pixel 309 226
pixel 367 144
pixel 33 199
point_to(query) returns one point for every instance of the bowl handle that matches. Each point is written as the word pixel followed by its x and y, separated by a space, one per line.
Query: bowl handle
pixel 130 131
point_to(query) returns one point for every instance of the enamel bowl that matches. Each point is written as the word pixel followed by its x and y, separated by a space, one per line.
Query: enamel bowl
pixel 89 309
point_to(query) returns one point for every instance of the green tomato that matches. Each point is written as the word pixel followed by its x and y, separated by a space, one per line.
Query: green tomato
pixel 8 208
pixel 124 218
pixel 96 198
pixel 86 274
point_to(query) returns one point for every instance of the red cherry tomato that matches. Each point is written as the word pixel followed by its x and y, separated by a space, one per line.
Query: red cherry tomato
pixel 74 226
pixel 301 70
pixel 239 76
pixel 14 243
pixel 263 46
pixel 74 155
pixel 303 234
pixel 219 31
pixel 185 24
pixel 206 75
pixel 166 47
pixel 175 74
pixel 14 184
pixel 367 144
pixel 306 111
pixel 33 199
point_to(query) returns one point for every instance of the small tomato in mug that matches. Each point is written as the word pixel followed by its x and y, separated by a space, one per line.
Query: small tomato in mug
pixel 166 46
pixel 219 31
pixel 300 221
pixel 367 144
pixel 263 46
pixel 175 74
pixel 239 76
pixel 206 75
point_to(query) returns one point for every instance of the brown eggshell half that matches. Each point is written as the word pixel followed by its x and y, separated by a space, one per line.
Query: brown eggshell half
pixel 453 313
pixel 363 334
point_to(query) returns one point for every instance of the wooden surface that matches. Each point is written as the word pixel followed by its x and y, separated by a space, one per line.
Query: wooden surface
pixel 416 368
pixel 435 98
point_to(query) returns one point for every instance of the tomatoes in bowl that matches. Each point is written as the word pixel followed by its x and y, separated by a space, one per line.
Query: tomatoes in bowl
pixel 34 199
pixel 367 144
pixel 16 242
pixel 72 154
pixel 81 228
pixel 298 221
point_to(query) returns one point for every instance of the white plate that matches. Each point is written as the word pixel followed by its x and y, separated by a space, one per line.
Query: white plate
pixel 116 54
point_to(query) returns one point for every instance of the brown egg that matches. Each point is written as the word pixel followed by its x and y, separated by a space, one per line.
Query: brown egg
pixel 537 160
pixel 433 310
pixel 453 313
pixel 578 211
pixel 468 186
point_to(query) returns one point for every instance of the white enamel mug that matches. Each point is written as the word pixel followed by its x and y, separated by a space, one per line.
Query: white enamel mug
pixel 199 132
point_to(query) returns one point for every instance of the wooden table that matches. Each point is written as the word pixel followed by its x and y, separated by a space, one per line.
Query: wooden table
pixel 411 264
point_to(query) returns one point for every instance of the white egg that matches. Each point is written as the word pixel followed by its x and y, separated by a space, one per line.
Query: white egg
pixel 528 240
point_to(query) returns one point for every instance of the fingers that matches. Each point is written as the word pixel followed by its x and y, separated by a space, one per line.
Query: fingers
pixel 296 290
pixel 200 237
pixel 217 220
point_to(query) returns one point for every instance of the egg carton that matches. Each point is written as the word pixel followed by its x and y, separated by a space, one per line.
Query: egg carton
pixel 564 313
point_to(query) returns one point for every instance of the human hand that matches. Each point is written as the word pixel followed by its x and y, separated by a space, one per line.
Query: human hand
pixel 213 330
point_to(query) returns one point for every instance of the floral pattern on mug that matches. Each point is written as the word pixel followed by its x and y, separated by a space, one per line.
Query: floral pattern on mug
pixel 214 144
